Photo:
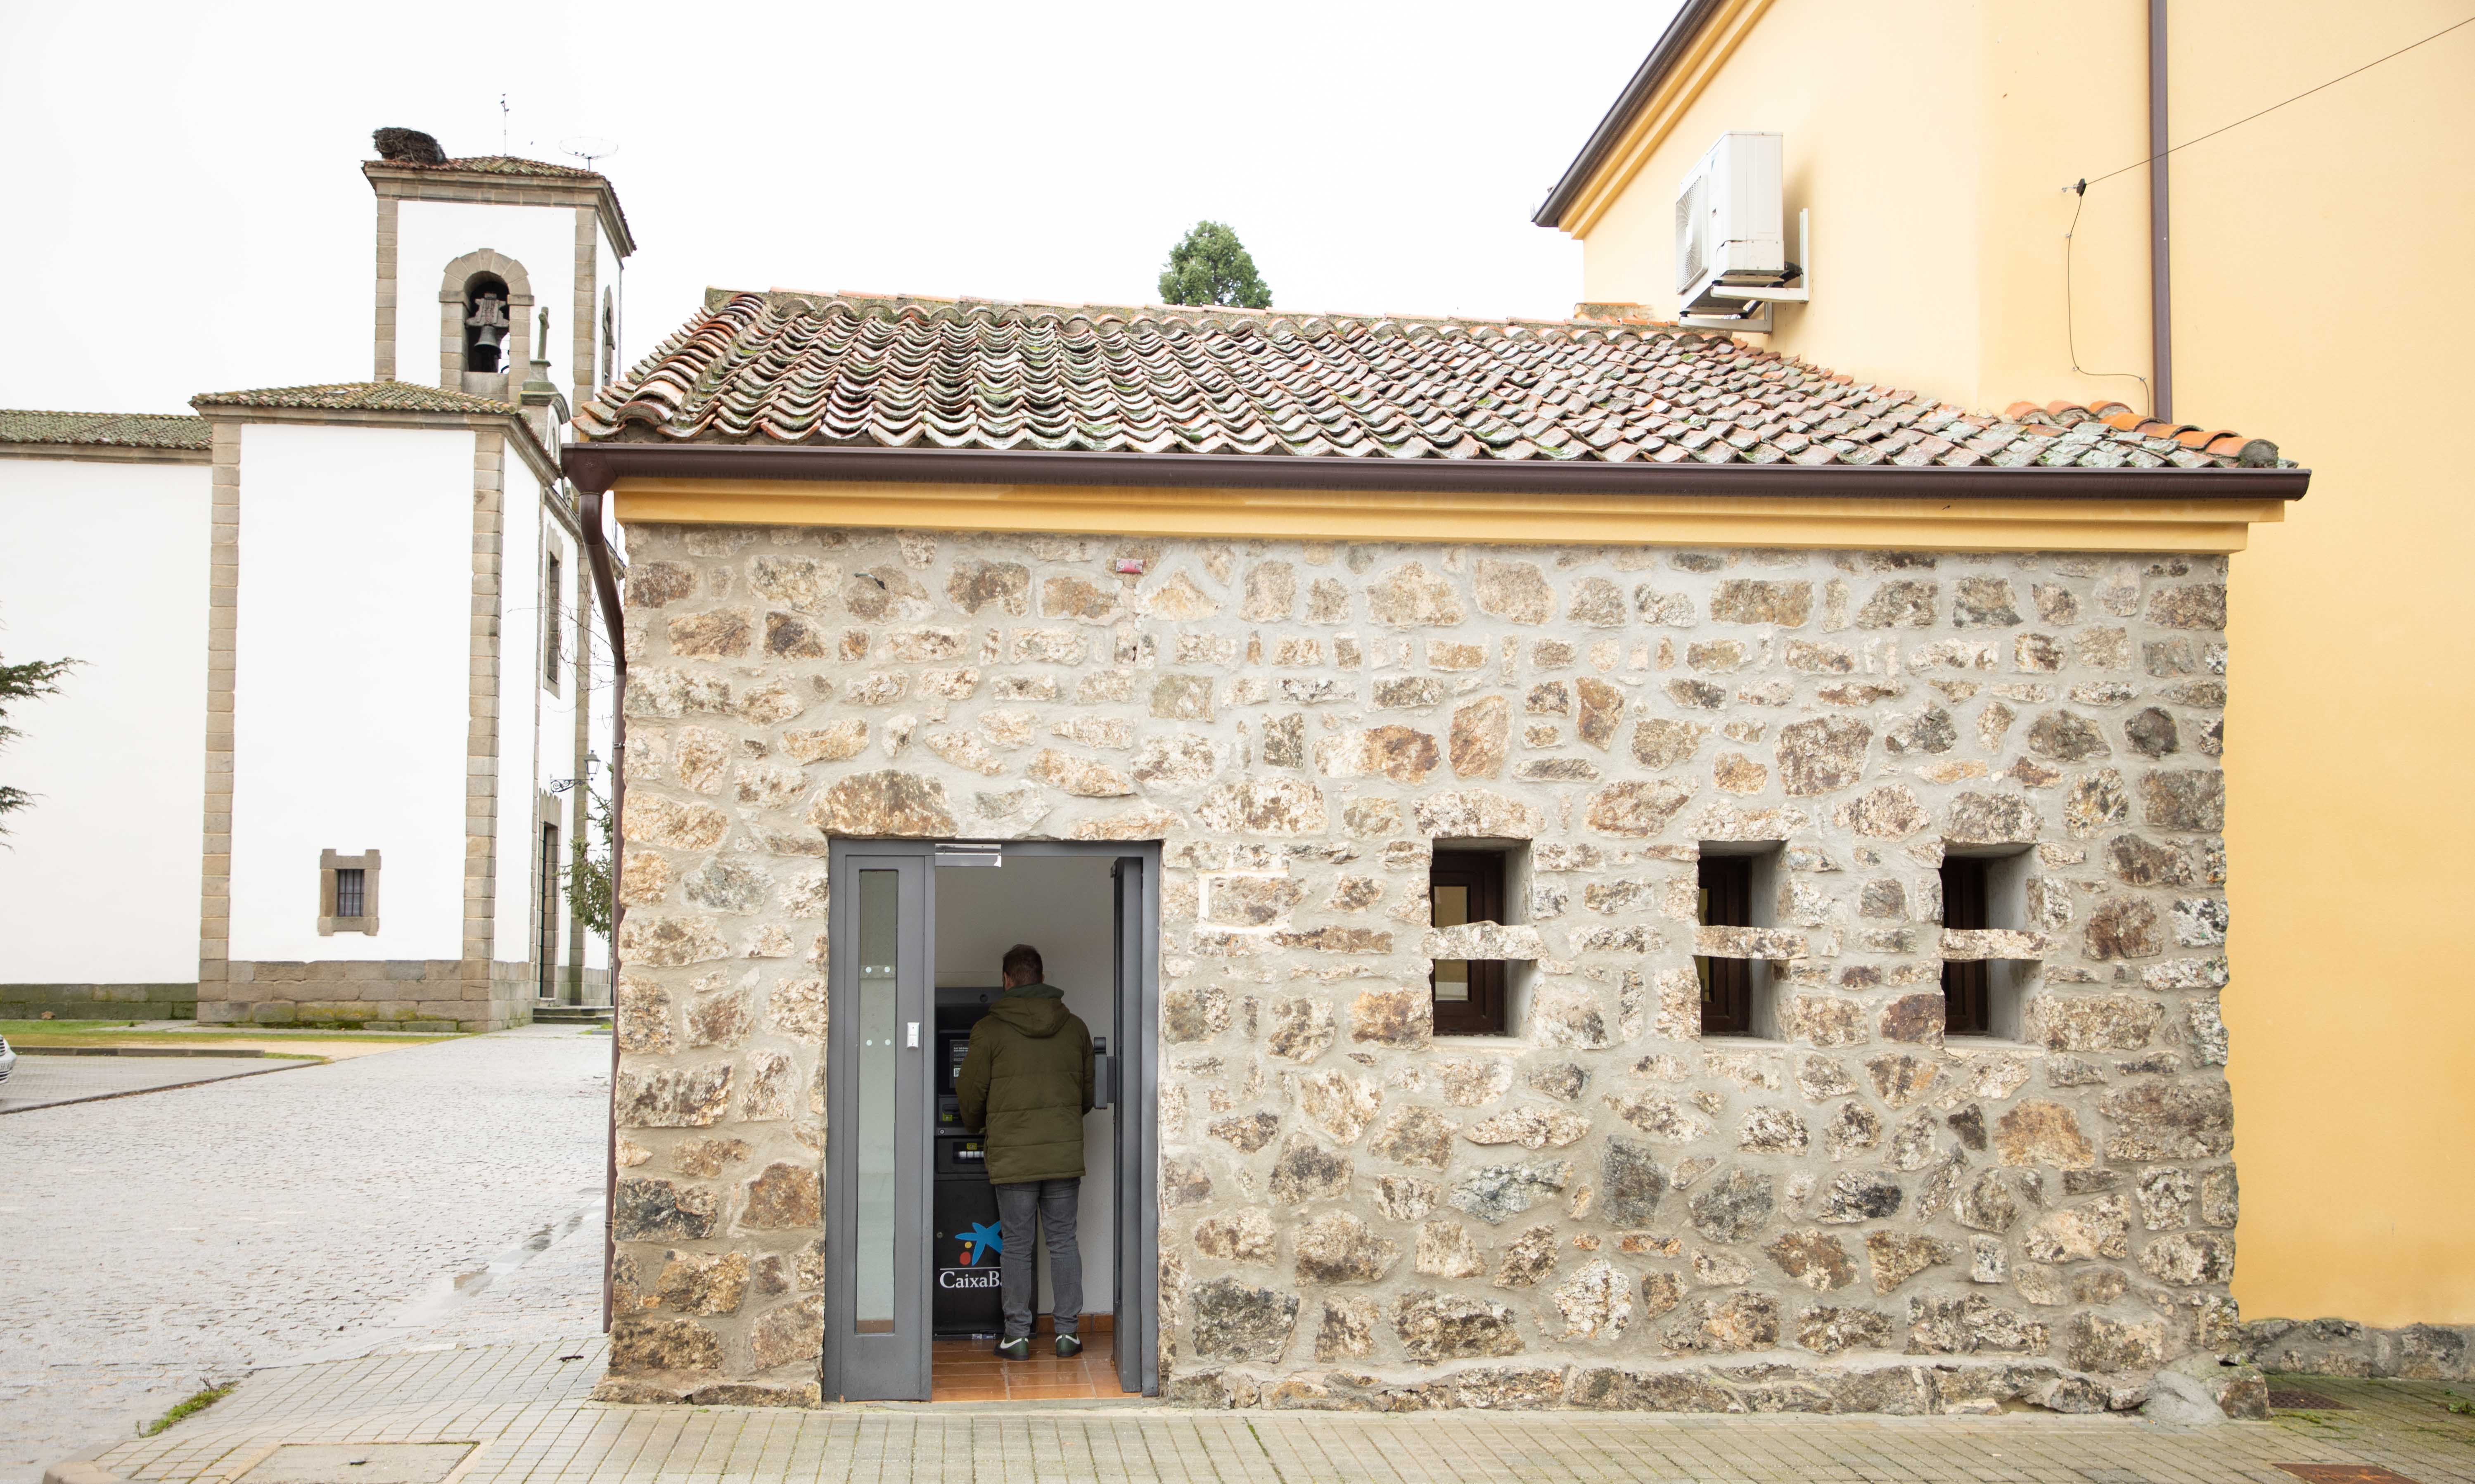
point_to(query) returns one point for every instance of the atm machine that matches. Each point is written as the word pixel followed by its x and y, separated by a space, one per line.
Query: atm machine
pixel 964 1219
pixel 968 1304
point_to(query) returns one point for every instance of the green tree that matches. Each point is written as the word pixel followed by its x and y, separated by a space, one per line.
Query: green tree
pixel 18 683
pixel 1212 267
pixel 588 877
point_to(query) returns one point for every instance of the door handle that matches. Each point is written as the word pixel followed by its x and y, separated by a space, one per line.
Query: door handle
pixel 913 1040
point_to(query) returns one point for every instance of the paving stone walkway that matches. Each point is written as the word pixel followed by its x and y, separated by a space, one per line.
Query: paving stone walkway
pixel 439 1194
pixel 525 1411
pixel 47 1081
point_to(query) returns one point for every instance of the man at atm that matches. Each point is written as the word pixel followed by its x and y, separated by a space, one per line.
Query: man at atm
pixel 1027 1081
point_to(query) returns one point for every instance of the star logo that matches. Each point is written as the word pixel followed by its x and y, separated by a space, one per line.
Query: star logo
pixel 980 1241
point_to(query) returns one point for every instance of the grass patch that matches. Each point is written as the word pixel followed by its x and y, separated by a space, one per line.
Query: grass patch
pixel 48 1037
pixel 194 1404
pixel 14 1029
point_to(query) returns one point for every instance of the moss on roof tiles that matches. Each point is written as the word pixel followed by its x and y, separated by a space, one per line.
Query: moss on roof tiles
pixel 357 396
pixel 104 429
pixel 888 370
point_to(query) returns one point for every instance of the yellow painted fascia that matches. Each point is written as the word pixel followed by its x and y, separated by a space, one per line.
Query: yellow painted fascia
pixel 1913 524
pixel 1660 113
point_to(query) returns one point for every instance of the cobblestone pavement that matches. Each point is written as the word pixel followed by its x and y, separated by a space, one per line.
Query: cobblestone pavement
pixel 523 1409
pixel 440 1194
pixel 42 1081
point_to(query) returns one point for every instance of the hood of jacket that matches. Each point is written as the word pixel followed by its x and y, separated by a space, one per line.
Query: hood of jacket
pixel 1034 1009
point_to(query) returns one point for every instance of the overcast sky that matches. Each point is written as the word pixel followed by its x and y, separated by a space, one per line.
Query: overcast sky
pixel 186 211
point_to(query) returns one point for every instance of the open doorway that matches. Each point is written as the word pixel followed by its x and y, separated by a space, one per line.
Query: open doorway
pixel 919 932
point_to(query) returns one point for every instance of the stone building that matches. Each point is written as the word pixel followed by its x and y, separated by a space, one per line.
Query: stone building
pixel 329 748
pixel 1838 770
pixel 1996 282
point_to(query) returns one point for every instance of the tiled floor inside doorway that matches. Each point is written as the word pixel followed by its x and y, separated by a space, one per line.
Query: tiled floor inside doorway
pixel 969 1371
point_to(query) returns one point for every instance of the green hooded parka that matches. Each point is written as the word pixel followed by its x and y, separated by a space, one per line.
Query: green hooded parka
pixel 1027 1081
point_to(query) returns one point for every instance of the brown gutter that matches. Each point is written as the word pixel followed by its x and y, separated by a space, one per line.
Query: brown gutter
pixel 597 467
pixel 605 586
pixel 1646 80
pixel 2160 258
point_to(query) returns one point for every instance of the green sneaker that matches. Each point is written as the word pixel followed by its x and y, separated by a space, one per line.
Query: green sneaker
pixel 1015 1350
pixel 1069 1345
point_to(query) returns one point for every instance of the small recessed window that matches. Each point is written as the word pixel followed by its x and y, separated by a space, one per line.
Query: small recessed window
pixel 1966 999
pixel 347 892
pixel 1466 887
pixel 553 626
pixel 1727 983
pixel 1982 890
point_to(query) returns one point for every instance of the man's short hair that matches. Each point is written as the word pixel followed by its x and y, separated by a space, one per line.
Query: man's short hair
pixel 1023 959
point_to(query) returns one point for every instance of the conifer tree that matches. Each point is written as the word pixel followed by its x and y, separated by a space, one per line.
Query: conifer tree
pixel 1212 267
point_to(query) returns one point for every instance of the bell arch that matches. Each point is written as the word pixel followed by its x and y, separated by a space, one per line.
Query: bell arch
pixel 459 289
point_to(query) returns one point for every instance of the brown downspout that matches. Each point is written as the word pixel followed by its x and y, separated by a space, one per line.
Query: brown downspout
pixel 2161 259
pixel 605 586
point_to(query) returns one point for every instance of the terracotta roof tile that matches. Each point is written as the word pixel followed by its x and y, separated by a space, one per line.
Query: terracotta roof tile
pixel 357 396
pixel 784 368
pixel 503 165
pixel 104 429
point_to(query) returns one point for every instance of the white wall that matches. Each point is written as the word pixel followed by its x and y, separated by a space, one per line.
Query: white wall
pixel 555 750
pixel 1063 907
pixel 105 563
pixel 613 278
pixel 351 690
pixel 523 713
pixel 430 235
pixel 602 680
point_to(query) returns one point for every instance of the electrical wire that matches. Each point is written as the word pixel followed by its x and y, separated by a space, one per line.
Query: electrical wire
pixel 2274 107
pixel 2080 188
pixel 2071 329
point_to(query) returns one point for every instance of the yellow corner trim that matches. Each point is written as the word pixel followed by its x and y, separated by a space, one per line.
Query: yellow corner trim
pixel 1482 517
pixel 1661 111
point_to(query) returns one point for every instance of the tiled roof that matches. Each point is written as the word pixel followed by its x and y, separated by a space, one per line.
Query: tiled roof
pixel 2223 442
pixel 355 397
pixel 104 430
pixel 502 164
pixel 788 368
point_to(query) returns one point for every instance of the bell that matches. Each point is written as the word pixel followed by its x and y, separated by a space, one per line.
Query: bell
pixel 490 337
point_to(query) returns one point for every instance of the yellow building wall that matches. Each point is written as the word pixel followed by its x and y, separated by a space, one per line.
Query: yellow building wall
pixel 2318 257
pixel 2317 254
pixel 1932 143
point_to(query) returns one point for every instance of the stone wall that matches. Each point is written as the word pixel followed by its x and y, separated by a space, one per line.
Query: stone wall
pixel 1601 1209
pixel 396 994
pixel 99 1002
pixel 2341 1346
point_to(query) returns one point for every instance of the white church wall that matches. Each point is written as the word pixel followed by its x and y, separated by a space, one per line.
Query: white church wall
pixel 351 689
pixel 105 563
pixel 557 747
pixel 523 723
pixel 430 235
pixel 611 277
pixel 603 694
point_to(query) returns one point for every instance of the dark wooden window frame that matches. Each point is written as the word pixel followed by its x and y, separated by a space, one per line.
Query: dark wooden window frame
pixel 1967 986
pixel 554 624
pixel 1481 873
pixel 546 944
pixel 1727 983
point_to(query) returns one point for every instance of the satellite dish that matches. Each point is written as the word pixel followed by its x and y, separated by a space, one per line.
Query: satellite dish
pixel 588 148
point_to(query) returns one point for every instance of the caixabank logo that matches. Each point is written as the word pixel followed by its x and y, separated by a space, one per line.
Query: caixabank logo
pixel 974 1264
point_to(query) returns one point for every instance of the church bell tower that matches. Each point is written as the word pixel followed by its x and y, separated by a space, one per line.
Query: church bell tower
pixel 476 255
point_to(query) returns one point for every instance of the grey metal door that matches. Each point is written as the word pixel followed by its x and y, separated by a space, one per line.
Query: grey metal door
pixel 1133 1098
pixel 879 1122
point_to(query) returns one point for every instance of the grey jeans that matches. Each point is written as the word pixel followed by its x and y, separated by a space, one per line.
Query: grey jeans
pixel 1056 1201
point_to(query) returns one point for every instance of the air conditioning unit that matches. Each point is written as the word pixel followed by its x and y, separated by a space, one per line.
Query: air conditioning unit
pixel 1731 253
